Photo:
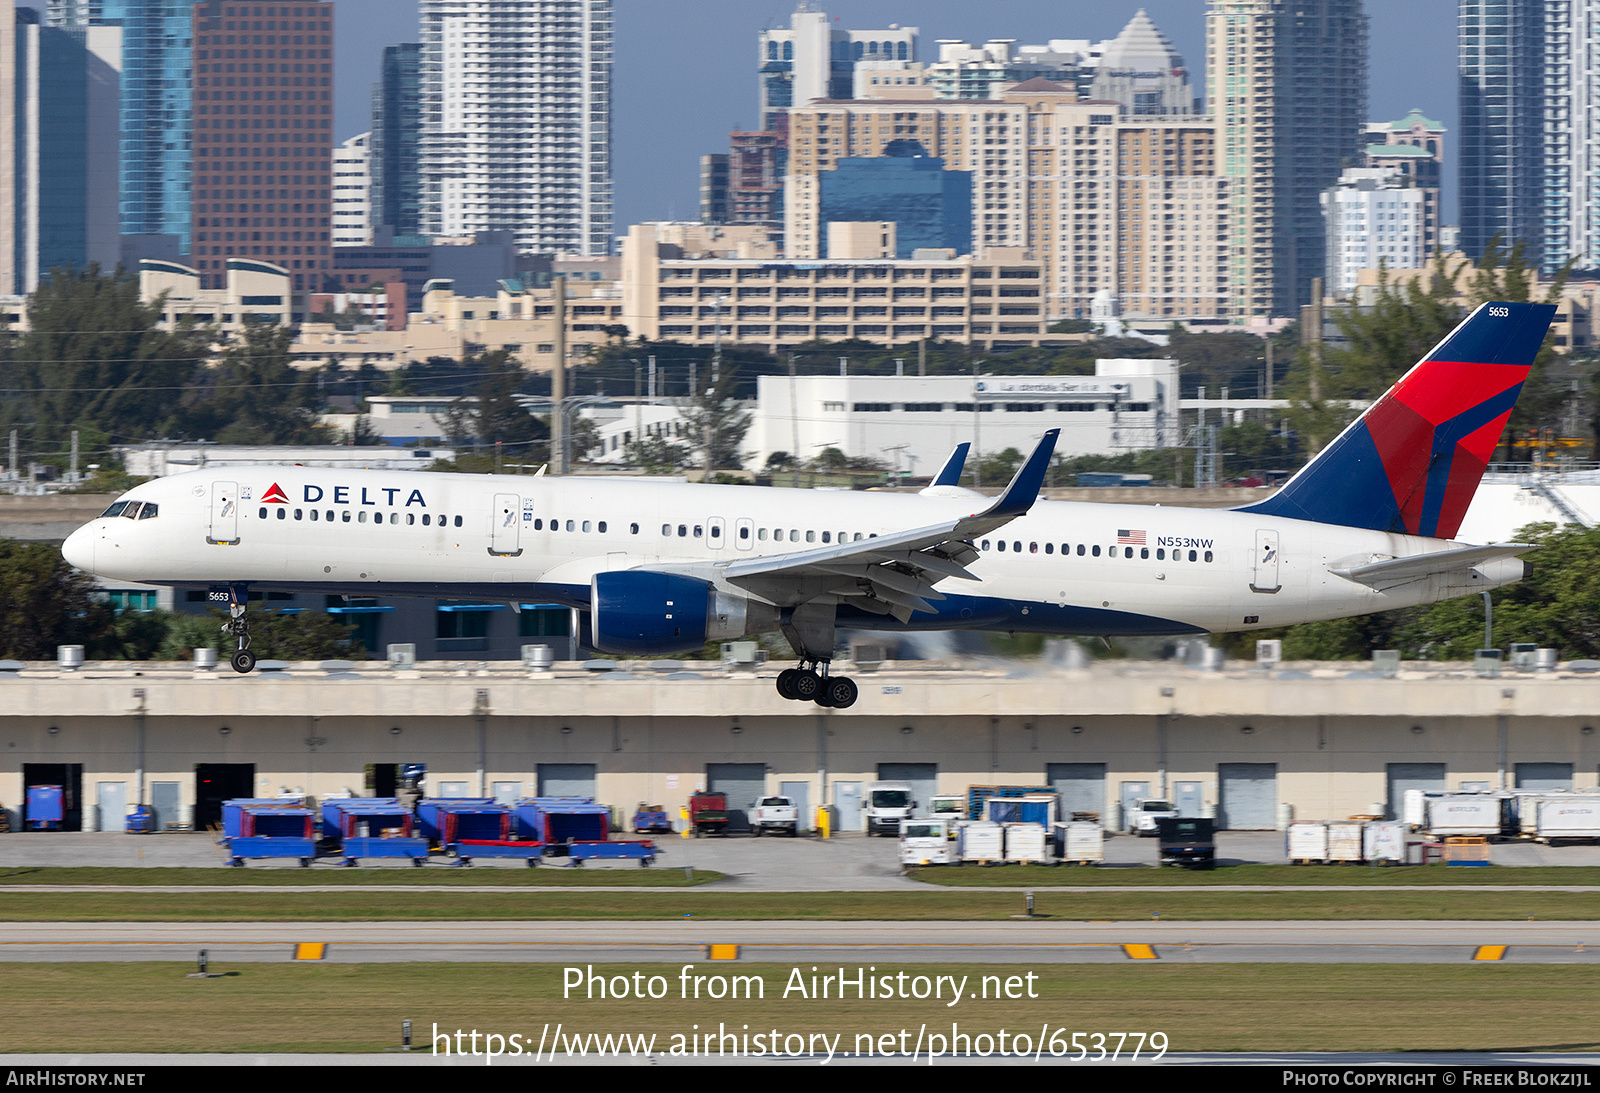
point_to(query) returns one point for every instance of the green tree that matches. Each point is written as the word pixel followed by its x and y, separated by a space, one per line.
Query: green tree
pixel 93 358
pixel 44 603
pixel 1406 320
pixel 254 394
pixel 494 413
pixel 715 424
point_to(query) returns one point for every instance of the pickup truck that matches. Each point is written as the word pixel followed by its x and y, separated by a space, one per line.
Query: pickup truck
pixel 775 814
pixel 1144 816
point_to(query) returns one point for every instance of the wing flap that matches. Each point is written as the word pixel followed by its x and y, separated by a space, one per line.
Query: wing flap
pixel 902 567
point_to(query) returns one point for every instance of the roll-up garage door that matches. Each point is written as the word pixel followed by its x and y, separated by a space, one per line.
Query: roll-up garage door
pixel 742 784
pixel 1544 776
pixel 566 780
pixel 1249 796
pixel 1082 786
pixel 1427 777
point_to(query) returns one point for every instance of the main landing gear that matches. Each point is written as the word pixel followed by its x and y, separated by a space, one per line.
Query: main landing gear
pixel 813 684
pixel 810 630
pixel 238 628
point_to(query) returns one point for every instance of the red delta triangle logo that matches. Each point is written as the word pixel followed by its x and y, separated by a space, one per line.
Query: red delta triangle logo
pixel 275 494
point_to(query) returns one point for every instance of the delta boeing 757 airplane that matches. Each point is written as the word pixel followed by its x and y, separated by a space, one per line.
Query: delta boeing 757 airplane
pixel 664 567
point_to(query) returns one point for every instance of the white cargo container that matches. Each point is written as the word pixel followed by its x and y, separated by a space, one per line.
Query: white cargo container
pixel 1344 841
pixel 1306 842
pixel 1466 814
pixel 980 841
pixel 1568 817
pixel 1025 842
pixel 1414 808
pixel 925 842
pixel 1385 841
pixel 1079 842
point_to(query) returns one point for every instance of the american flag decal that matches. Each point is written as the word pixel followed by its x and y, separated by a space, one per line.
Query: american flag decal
pixel 1131 538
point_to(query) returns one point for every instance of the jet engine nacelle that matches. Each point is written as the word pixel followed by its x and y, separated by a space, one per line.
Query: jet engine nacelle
pixel 642 613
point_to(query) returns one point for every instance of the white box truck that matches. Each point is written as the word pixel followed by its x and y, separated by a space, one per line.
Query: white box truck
pixel 1574 817
pixel 1462 814
pixel 887 804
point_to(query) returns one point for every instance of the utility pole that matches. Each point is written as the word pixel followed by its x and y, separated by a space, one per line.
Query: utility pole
pixel 977 428
pixel 72 475
pixel 794 414
pixel 1269 366
pixel 922 357
pixel 558 377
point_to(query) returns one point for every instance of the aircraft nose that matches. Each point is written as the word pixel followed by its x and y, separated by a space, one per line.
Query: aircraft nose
pixel 78 550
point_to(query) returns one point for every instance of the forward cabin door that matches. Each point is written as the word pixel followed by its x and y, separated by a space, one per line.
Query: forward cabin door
pixel 1264 578
pixel 503 536
pixel 224 513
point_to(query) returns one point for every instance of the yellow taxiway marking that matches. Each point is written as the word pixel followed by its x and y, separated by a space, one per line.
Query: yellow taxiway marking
pixel 310 950
pixel 1140 952
pixel 1490 952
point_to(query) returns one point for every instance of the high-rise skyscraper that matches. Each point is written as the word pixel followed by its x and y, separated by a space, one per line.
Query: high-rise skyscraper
pixel 1286 82
pixel 352 192
pixel 58 136
pixel 397 141
pixel 156 107
pixel 263 138
pixel 516 121
pixel 809 59
pixel 1506 182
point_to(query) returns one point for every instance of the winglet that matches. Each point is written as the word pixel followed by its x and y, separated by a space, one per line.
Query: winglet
pixel 950 473
pixel 1019 497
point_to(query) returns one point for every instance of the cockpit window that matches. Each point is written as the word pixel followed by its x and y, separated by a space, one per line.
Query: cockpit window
pixel 115 509
pixel 132 511
pixel 149 511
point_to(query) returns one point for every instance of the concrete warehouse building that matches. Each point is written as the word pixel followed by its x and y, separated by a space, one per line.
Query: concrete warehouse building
pixel 1248 744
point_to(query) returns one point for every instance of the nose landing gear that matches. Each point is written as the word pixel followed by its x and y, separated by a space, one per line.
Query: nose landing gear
pixel 238 628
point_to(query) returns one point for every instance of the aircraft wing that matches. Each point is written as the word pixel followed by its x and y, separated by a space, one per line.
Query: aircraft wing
pixel 892 574
pixel 1387 573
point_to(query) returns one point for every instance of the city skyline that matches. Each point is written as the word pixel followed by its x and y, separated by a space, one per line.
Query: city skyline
pixel 657 138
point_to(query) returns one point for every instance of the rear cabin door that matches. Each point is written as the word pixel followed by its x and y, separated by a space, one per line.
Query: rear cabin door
pixel 1265 576
pixel 224 513
pixel 503 536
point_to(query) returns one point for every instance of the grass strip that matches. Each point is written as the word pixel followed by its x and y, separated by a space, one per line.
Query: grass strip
pixel 932 904
pixel 92 1007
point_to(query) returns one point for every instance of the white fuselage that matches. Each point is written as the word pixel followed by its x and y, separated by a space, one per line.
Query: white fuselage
pixel 1062 568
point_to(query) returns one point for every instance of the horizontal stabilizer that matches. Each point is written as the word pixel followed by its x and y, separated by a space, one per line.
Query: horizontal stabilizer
pixel 1393 570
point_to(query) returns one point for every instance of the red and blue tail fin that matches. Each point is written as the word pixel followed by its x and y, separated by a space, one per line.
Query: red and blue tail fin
pixel 1412 462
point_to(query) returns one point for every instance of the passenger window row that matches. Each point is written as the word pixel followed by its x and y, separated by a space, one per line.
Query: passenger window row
pixel 1093 550
pixel 427 518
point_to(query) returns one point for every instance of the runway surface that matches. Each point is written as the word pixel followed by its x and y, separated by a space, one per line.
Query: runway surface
pixel 880 943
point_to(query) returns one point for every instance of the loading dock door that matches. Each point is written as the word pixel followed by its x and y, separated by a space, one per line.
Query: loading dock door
pixel 1544 776
pixel 218 782
pixel 924 779
pixel 1082 787
pixel 69 776
pixel 743 784
pixel 1427 777
pixel 566 780
pixel 1248 797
